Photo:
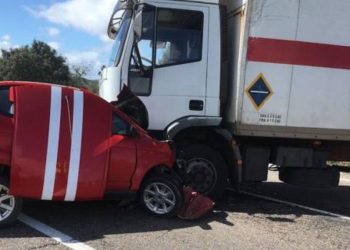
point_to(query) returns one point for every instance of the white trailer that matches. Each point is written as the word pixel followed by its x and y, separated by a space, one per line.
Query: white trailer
pixel 239 84
pixel 293 70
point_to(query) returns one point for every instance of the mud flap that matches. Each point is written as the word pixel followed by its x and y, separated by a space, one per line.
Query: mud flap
pixel 310 177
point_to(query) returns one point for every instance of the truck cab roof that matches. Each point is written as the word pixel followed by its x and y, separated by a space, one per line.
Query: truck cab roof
pixel 204 1
pixel 198 1
pixel 232 4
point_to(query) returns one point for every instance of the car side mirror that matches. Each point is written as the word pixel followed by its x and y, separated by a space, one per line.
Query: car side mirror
pixel 133 132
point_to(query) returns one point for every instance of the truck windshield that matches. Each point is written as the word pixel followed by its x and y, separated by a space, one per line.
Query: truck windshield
pixel 120 39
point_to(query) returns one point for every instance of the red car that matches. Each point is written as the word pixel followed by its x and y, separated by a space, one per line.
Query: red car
pixel 66 144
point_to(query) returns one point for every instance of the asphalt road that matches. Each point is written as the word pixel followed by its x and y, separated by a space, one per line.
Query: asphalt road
pixel 336 200
pixel 238 222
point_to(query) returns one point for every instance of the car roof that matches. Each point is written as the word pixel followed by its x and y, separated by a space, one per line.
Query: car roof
pixel 28 83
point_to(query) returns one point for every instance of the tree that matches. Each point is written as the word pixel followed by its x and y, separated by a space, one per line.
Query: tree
pixel 38 62
pixel 78 74
pixel 79 80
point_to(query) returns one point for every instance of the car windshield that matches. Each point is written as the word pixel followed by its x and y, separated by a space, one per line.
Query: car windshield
pixel 120 39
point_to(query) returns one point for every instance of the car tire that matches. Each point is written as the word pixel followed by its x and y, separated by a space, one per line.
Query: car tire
pixel 7 202
pixel 206 171
pixel 162 195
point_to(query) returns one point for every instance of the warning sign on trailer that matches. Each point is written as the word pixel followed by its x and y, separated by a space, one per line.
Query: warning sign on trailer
pixel 259 91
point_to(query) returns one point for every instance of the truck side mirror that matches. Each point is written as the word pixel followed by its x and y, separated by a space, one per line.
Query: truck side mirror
pixel 144 22
pixel 138 22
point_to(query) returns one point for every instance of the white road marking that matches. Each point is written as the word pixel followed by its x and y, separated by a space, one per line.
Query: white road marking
pixel 339 216
pixel 52 144
pixel 54 234
pixel 75 151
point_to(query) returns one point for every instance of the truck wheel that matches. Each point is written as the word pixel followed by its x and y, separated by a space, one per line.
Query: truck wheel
pixel 10 206
pixel 162 195
pixel 206 171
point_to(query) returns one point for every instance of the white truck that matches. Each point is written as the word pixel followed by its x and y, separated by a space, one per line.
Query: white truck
pixel 239 84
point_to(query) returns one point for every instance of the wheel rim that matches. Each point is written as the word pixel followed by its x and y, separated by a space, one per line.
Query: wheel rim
pixel 159 198
pixel 202 175
pixel 7 203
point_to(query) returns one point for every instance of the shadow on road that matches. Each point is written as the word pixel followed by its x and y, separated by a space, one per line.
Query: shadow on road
pixel 94 220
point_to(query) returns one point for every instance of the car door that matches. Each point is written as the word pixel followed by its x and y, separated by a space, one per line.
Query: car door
pixel 123 157
pixel 60 148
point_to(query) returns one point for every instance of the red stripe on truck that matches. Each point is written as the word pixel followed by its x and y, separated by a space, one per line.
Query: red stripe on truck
pixel 298 53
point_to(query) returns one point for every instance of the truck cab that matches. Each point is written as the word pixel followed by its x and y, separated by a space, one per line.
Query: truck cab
pixel 166 65
pixel 236 87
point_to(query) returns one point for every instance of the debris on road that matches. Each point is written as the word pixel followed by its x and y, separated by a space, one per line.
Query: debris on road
pixel 195 205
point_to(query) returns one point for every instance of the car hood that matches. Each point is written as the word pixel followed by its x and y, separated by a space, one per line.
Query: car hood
pixel 132 106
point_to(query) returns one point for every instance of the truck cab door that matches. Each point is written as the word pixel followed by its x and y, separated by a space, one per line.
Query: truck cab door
pixel 168 66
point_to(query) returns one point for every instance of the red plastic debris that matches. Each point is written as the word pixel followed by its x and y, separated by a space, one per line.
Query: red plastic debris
pixel 195 205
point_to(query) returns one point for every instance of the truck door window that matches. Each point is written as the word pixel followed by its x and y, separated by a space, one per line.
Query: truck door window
pixel 145 48
pixel 179 37
pixel 141 63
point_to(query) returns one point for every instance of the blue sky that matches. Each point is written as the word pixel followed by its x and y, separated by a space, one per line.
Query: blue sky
pixel 75 28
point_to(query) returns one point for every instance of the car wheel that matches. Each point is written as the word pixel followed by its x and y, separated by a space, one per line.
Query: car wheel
pixel 10 206
pixel 162 195
pixel 205 170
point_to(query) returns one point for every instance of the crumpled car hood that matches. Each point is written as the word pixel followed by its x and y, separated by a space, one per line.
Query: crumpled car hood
pixel 132 106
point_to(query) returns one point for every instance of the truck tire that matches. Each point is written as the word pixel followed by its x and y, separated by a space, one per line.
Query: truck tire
pixel 10 206
pixel 161 195
pixel 310 177
pixel 206 171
